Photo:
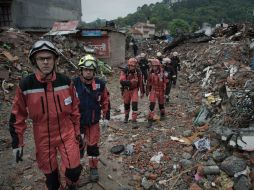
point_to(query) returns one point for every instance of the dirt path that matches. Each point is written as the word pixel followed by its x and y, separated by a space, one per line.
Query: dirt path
pixel 117 171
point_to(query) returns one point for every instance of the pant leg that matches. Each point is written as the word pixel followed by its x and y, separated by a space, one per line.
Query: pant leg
pixel 70 159
pixel 127 101
pixel 46 157
pixel 134 100
pixel 152 99
pixel 161 102
pixel 168 88
pixel 92 139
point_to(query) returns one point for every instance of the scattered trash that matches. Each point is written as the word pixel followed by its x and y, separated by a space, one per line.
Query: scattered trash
pixel 157 158
pixel 245 172
pixel 118 149
pixel 202 144
pixel 177 139
pixel 211 170
pixel 129 150
pixel 202 117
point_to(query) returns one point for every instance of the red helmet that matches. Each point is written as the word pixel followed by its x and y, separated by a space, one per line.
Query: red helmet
pixel 155 62
pixel 132 62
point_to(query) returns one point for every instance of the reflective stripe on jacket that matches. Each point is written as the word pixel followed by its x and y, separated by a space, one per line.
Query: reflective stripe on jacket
pixel 92 100
pixel 53 107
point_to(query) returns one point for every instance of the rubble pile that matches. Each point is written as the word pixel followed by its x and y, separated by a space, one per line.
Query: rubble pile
pixel 14 63
pixel 221 70
pixel 219 78
pixel 206 142
pixel 151 47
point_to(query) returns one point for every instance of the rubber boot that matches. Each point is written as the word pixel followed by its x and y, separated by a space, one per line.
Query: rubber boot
pixel 134 124
pixel 126 119
pixel 150 119
pixel 134 120
pixel 150 123
pixel 93 163
pixel 94 175
pixel 162 115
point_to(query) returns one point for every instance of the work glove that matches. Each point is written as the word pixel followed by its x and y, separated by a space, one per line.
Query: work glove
pixel 174 76
pixel 18 153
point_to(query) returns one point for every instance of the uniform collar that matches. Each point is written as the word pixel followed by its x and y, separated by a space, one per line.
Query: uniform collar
pixel 85 82
pixel 40 78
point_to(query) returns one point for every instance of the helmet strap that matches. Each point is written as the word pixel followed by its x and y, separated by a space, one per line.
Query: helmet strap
pixel 86 79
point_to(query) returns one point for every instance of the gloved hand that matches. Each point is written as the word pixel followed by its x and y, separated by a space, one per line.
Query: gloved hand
pixel 18 153
pixel 174 76
pixel 80 138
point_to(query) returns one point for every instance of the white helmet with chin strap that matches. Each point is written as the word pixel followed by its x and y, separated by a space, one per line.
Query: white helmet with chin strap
pixel 42 45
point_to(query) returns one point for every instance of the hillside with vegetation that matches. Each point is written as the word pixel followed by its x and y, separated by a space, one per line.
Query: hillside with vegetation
pixel 190 14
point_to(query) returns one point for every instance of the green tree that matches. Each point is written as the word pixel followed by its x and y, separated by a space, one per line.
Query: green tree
pixel 177 26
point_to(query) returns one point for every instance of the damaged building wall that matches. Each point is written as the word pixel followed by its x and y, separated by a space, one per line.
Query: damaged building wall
pixel 5 13
pixel 42 14
pixel 117 48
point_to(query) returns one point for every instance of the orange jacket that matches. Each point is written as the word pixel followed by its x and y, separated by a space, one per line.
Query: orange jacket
pixel 131 81
pixel 156 81
pixel 53 107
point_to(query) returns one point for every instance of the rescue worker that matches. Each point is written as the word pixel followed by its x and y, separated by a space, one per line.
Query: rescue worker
pixel 94 100
pixel 177 67
pixel 170 74
pixel 156 86
pixel 50 100
pixel 135 48
pixel 143 65
pixel 131 82
pixel 159 56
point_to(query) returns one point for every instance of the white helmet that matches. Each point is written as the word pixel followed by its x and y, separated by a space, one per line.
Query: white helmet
pixel 166 60
pixel 175 54
pixel 158 54
pixel 142 55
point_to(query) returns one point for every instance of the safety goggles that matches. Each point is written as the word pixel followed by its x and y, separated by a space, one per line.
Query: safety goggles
pixel 89 64
pixel 39 44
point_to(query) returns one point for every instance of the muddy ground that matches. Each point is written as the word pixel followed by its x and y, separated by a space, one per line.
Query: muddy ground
pixel 116 171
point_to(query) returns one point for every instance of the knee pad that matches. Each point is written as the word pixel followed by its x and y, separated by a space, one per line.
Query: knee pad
pixel 152 106
pixel 52 180
pixel 127 106
pixel 73 173
pixel 93 150
pixel 134 106
pixel 161 106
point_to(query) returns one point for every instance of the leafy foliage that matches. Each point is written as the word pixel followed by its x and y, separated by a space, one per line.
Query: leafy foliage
pixel 190 14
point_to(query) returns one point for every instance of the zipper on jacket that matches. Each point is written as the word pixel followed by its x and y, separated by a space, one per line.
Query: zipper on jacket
pixel 59 129
pixel 42 105
pixel 45 89
pixel 58 99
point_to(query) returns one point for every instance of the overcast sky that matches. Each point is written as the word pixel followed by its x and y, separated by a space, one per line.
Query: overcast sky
pixel 110 9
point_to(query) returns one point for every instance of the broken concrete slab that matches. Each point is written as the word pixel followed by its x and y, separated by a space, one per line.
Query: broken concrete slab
pixel 232 165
